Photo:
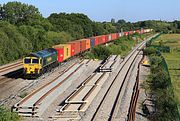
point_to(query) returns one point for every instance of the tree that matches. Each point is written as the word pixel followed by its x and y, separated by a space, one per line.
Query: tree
pixel 18 13
pixel 113 21
pixel 98 29
pixel 78 25
pixel 14 45
pixel 109 27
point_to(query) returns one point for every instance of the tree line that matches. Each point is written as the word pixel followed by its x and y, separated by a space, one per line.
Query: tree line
pixel 24 30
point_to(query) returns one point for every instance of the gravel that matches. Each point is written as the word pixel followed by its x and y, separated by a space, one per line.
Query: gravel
pixel 124 105
pixel 143 74
pixel 51 110
pixel 10 91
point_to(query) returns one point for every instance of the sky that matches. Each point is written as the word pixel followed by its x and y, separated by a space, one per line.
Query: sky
pixel 104 10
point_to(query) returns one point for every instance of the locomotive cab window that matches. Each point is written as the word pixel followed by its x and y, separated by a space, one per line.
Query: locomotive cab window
pixel 35 61
pixel 27 61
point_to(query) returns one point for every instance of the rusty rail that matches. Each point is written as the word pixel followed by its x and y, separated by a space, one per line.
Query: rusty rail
pixel 10 67
pixel 45 95
pixel 29 96
pixel 134 99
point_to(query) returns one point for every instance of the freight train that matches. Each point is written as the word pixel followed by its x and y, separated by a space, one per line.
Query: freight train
pixel 37 63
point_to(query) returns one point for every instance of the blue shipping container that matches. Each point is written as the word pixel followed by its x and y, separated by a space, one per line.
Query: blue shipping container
pixel 92 39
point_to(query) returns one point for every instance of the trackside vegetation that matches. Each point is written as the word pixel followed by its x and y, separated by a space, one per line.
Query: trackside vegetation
pixel 7 115
pixel 120 46
pixel 159 86
pixel 171 42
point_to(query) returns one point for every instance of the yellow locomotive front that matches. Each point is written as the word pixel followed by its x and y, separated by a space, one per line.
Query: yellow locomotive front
pixel 32 66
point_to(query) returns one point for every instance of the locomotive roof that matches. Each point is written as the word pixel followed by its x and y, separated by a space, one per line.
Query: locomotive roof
pixel 44 53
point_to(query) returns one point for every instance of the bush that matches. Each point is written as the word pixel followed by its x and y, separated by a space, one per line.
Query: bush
pixel 149 51
pixel 101 52
pixel 7 115
pixel 161 87
pixel 120 46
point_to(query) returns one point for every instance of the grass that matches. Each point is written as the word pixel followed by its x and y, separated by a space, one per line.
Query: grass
pixel 23 94
pixel 173 60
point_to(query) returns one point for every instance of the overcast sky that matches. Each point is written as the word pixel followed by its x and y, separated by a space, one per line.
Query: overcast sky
pixel 104 10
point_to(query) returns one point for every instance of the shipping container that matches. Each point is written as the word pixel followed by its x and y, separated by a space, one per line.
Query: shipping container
pixel 106 38
pixel 100 41
pixel 117 35
pixel 60 52
pixel 96 40
pixel 126 33
pixel 120 34
pixel 88 44
pixel 75 47
pixel 138 31
pixel 142 31
pixel 82 44
pixel 103 38
pixel 109 37
pixel 130 32
pixel 92 39
pixel 67 50
pixel 113 36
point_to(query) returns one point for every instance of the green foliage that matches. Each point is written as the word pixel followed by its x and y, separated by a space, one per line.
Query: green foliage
pixel 99 52
pixel 13 44
pixel 159 82
pixel 98 29
pixel 109 27
pixel 172 58
pixel 17 42
pixel 149 51
pixel 7 115
pixel 120 46
pixel 19 14
pixel 78 25
pixel 23 94
pixel 57 38
pixel 161 87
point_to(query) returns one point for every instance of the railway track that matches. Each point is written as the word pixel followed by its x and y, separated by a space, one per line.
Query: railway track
pixel 11 66
pixel 134 98
pixel 113 87
pixel 35 103
pixel 120 111
pixel 109 105
pixel 82 97
pixel 11 77
pixel 8 75
pixel 109 65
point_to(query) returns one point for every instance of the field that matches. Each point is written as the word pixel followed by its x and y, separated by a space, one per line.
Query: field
pixel 173 60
